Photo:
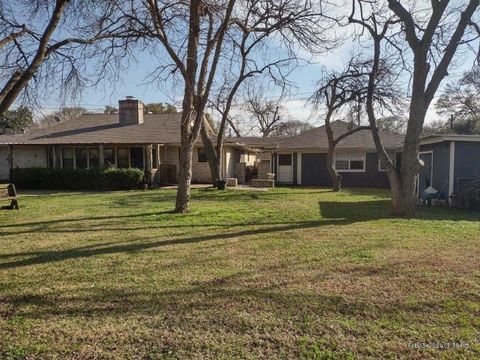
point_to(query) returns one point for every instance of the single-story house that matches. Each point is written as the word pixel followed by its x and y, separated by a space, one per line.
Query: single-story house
pixel 302 159
pixel 127 139
pixel 449 162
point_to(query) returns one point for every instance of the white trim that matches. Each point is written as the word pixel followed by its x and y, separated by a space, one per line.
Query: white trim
pixel 349 155
pixel 394 161
pixel 299 168
pixel 278 168
pixel 431 170
pixel 438 139
pixel 451 169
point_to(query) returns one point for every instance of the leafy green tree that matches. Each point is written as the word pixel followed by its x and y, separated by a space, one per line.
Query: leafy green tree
pixel 16 121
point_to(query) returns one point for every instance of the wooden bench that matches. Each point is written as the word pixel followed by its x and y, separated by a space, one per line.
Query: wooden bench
pixel 8 193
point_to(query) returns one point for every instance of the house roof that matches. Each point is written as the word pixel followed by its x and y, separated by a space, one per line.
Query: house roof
pixel 258 142
pixel 104 129
pixel 361 140
pixel 432 139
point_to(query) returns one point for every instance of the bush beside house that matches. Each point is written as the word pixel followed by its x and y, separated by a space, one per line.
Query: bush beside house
pixel 77 179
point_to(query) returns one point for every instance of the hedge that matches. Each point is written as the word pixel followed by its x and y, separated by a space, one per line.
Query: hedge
pixel 77 179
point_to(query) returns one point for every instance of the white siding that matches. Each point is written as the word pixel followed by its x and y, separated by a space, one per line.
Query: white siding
pixel 4 165
pixel 30 156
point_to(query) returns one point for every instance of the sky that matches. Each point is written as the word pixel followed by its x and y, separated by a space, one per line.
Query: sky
pixel 132 82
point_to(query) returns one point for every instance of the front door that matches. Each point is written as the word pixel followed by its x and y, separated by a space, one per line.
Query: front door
pixel 425 174
pixel 285 174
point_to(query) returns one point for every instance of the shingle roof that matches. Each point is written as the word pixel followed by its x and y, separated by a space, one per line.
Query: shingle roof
pixel 104 129
pixel 254 141
pixel 317 139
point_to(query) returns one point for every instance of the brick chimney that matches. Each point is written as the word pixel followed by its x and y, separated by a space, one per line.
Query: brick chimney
pixel 130 111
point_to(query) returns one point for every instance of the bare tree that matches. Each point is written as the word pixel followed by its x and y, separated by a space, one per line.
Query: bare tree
pixel 263 43
pixel 292 128
pixel 433 36
pixel 34 52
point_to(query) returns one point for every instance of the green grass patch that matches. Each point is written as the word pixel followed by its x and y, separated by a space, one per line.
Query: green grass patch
pixel 288 273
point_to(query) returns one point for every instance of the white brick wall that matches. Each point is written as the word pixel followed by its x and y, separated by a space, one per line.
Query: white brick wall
pixel 30 156
pixel 23 157
pixel 4 165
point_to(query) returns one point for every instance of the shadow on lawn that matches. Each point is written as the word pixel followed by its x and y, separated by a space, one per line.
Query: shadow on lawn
pixel 215 300
pixel 42 257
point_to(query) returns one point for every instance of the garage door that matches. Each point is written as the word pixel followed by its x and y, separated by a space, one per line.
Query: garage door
pixel 314 170
pixel 4 165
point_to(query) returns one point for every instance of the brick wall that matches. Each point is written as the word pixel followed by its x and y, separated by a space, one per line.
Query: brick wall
pixel 30 156
pixel 200 170
pixel 4 165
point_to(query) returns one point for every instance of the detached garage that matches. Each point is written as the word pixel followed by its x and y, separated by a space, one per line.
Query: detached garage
pixel 302 159
pixel 450 161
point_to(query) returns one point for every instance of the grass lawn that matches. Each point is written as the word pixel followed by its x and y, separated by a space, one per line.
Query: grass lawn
pixel 289 273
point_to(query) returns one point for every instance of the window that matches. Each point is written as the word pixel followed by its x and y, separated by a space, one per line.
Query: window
pixel 350 162
pixel 67 158
pixel 341 162
pixel 109 157
pixel 284 159
pixel 381 164
pixel 93 158
pixel 122 158
pixel 81 157
pixel 202 155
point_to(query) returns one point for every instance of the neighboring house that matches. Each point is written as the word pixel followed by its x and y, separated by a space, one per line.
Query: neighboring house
pixel 129 139
pixel 302 159
pixel 449 162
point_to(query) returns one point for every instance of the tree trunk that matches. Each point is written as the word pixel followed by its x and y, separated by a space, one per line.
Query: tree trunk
pixel 336 178
pixel 213 158
pixel 184 177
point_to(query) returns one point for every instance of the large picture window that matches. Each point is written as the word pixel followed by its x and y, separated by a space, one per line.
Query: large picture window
pixel 81 154
pixel 109 157
pixel 285 159
pixel 67 158
pixel 202 155
pixel 392 156
pixel 350 162
pixel 93 158
pixel 122 158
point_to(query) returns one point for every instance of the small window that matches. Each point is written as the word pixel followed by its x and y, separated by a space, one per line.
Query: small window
pixel 381 164
pixel 202 155
pixel 93 158
pixel 109 157
pixel 122 158
pixel 350 162
pixel 284 159
pixel 81 154
pixel 67 158
pixel 341 162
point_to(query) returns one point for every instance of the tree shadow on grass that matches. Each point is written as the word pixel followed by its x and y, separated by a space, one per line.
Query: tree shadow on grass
pixel 42 257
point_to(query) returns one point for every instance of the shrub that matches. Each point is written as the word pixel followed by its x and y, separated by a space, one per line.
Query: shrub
pixel 77 179
pixel 469 196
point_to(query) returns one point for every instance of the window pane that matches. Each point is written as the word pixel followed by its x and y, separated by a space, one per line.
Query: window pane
pixel 67 158
pixel 392 156
pixel 108 157
pixel 284 159
pixel 202 155
pixel 81 157
pixel 356 165
pixel 93 157
pixel 341 162
pixel 122 158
